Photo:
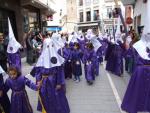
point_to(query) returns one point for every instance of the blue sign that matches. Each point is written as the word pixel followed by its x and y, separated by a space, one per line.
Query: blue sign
pixel 53 28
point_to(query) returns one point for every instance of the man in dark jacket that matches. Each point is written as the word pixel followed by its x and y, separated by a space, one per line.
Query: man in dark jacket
pixel 3 53
pixel 4 100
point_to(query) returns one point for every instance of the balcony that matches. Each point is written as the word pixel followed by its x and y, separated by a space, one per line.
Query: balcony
pixel 128 2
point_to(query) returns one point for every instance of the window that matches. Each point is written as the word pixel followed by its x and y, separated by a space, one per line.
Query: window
pixel 88 2
pixel 81 16
pixel 88 16
pixel 96 14
pixel 80 2
pixel 109 10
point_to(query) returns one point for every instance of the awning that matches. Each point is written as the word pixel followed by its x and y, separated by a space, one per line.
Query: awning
pixel 90 24
pixel 45 9
pixel 53 29
pixel 35 3
pixel 128 2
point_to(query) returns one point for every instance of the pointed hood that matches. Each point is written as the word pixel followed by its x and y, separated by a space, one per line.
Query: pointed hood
pixel 1 70
pixel 118 32
pixel 13 45
pixel 50 57
pixel 58 40
pixel 74 38
pixel 80 35
pixel 90 34
pixel 143 45
pixel 96 44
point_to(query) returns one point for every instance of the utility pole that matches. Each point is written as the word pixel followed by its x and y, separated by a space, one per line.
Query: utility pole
pixel 121 17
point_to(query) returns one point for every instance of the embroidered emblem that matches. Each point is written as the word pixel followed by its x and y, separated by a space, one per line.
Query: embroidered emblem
pixel 54 60
pixel 11 48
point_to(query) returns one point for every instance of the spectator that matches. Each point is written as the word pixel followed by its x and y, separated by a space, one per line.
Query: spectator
pixel 3 53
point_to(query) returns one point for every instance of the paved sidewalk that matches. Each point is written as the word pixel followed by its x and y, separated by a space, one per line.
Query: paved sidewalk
pixel 98 98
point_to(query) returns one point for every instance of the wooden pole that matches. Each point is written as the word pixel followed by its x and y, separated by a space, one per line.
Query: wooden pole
pixel 121 17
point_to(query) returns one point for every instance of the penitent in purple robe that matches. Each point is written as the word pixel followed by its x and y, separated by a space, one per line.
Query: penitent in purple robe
pixel 52 100
pixel 98 60
pixel 14 59
pixel 137 96
pixel 82 44
pixel 89 60
pixel 115 60
pixel 76 62
pixel 109 50
pixel 67 54
pixel 19 99
pixel 104 43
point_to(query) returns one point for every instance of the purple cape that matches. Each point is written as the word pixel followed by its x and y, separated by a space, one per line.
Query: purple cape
pixel 14 59
pixel 137 96
pixel 51 99
pixel 89 64
pixel 115 61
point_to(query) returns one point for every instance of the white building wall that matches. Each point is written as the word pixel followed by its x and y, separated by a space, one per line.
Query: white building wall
pixel 140 9
pixel 57 5
pixel 143 9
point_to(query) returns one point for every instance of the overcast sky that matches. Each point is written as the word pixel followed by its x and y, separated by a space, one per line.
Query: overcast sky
pixel 61 4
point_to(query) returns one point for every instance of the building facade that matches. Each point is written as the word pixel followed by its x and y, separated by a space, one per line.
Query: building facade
pixel 108 21
pixel 88 14
pixel 96 14
pixel 141 13
pixel 24 15
pixel 69 20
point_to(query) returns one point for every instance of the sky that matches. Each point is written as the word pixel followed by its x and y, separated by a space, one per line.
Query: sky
pixel 61 4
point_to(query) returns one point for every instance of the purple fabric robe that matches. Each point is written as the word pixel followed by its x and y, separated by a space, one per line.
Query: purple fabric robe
pixel 98 60
pixel 137 96
pixel 115 60
pixel 14 60
pixel 76 62
pixel 104 43
pixel 109 50
pixel 68 64
pixel 89 61
pixel 82 44
pixel 19 99
pixel 52 100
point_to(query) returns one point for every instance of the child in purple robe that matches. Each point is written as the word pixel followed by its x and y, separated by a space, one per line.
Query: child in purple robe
pixel 65 52
pixel 19 99
pixel 68 65
pixel 76 62
pixel 89 60
pixel 81 41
